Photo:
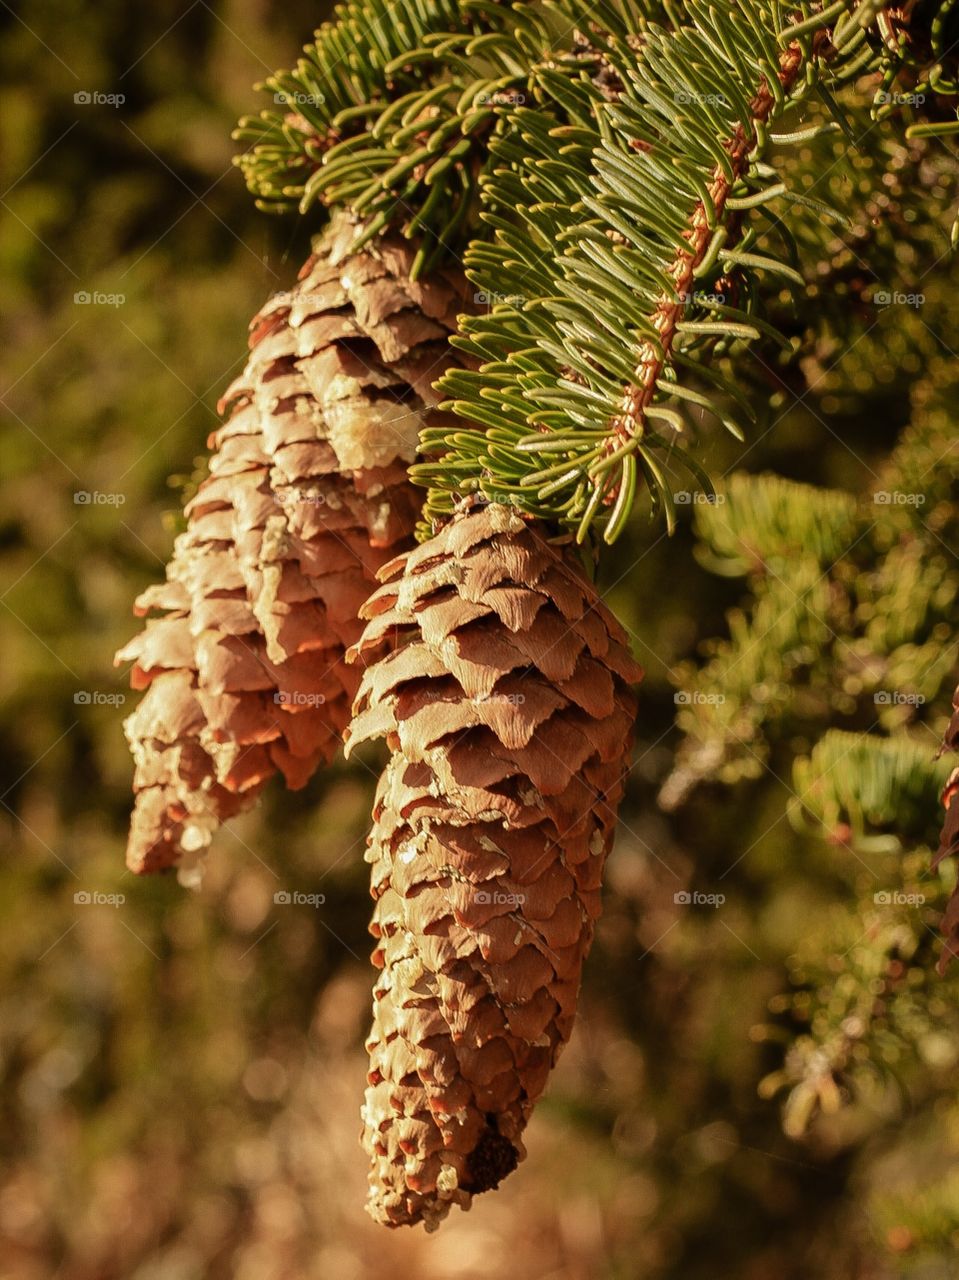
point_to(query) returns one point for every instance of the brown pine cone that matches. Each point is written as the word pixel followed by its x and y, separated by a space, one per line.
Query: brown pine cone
pixel 949 843
pixel 502 686
pixel 306 498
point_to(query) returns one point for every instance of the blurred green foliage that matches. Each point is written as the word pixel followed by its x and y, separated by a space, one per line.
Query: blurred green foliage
pixel 182 1073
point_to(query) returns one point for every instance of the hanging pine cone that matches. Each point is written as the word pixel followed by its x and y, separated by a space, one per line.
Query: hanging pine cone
pixel 307 496
pixel 949 843
pixel 502 686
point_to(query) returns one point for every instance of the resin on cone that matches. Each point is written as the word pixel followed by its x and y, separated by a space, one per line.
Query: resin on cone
pixel 307 496
pixel 502 686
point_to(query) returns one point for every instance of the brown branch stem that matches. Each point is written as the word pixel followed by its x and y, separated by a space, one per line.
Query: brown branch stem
pixel 669 311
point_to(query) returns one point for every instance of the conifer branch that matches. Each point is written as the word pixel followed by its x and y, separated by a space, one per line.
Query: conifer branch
pixel 862 990
pixel 852 609
pixel 655 355
pixel 862 1004
pixel 393 106
pixel 328 107
pixel 572 423
pixel 616 151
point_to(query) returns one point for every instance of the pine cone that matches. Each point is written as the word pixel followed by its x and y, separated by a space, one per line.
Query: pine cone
pixel 306 498
pixel 501 684
pixel 949 843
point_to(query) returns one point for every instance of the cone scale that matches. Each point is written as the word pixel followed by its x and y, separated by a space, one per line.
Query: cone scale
pixel 307 496
pixel 502 687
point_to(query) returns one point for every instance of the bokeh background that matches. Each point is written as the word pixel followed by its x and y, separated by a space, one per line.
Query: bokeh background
pixel 182 1072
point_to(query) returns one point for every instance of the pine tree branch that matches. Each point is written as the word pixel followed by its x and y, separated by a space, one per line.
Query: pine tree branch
pixel 358 64
pixel 870 790
pixel 615 159
pixel 863 1003
pixel 394 105
pixel 654 357
pixel 851 617
pixel 670 178
pixel 862 987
